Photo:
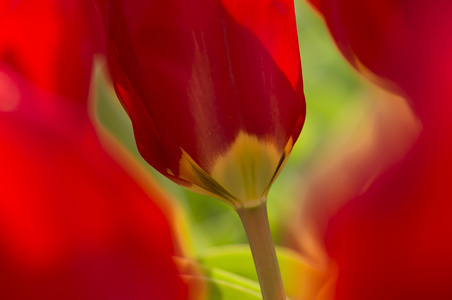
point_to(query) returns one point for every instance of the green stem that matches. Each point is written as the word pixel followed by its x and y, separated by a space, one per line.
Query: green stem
pixel 257 228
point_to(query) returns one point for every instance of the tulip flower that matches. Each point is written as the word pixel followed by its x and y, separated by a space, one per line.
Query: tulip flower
pixel 392 242
pixel 73 223
pixel 214 91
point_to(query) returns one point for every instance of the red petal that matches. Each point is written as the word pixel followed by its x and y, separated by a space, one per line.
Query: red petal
pixel 73 223
pixel 51 42
pixel 407 42
pixel 393 242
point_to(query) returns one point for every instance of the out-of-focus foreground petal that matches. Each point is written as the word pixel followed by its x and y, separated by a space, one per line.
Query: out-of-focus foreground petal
pixel 356 161
pixel 213 89
pixel 392 242
pixel 73 223
pixel 406 42
pixel 51 43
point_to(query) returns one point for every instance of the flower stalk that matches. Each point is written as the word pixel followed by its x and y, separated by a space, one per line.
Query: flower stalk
pixel 257 228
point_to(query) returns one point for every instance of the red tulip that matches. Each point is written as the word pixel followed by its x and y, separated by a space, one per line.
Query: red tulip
pixel 392 242
pixel 213 89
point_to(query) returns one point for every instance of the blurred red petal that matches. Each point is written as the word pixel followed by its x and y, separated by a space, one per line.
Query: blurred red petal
pixel 393 242
pixel 73 223
pixel 406 42
pixel 52 43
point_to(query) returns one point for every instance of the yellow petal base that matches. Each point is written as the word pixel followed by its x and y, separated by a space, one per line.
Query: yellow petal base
pixel 242 175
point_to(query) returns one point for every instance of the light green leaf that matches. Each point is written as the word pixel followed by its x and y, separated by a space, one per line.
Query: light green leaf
pixel 217 284
pixel 301 279
pixel 223 285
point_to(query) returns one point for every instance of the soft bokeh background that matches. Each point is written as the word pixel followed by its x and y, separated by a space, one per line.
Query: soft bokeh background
pixel 353 131
pixel 82 219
